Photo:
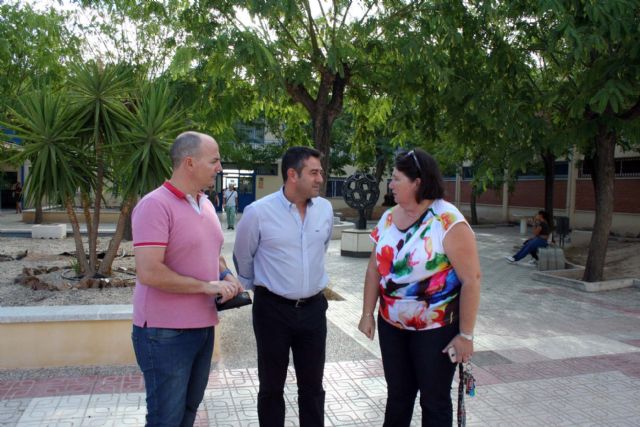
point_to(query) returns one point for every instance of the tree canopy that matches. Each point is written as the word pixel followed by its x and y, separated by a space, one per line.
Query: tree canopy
pixel 34 48
pixel 501 84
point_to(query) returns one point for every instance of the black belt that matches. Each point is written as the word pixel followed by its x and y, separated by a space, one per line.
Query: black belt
pixel 300 302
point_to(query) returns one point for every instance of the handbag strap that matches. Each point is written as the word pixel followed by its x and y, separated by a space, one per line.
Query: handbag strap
pixel 462 414
pixel 226 199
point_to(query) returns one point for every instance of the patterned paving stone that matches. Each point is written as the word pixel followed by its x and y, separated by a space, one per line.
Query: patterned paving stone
pixel 487 358
pixel 12 410
pixel 559 358
pixel 521 355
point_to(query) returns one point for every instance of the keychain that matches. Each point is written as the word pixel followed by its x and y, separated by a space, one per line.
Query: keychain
pixel 469 381
pixel 466 383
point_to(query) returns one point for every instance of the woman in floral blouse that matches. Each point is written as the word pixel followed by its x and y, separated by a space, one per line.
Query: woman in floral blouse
pixel 426 273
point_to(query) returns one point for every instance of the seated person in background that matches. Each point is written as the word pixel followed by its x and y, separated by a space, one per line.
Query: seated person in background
pixel 539 239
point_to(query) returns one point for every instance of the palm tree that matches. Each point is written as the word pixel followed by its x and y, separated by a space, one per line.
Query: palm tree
pixel 152 125
pixel 48 125
pixel 69 152
pixel 98 95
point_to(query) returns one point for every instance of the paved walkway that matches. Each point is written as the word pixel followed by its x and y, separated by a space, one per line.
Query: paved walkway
pixel 545 355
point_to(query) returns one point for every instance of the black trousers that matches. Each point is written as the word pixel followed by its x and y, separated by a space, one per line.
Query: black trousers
pixel 412 361
pixel 280 326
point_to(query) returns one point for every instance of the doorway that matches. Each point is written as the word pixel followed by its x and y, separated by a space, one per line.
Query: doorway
pixel 243 180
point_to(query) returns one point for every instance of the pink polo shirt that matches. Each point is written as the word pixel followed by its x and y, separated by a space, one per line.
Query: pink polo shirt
pixel 192 242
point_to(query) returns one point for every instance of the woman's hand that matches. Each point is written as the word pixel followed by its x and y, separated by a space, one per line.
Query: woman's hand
pixel 463 347
pixel 367 325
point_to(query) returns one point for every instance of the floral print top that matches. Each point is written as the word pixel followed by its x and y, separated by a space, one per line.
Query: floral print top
pixel 419 288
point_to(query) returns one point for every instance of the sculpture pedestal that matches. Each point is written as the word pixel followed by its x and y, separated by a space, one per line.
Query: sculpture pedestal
pixel 356 243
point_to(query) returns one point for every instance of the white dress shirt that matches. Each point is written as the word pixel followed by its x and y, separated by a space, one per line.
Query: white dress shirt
pixel 274 248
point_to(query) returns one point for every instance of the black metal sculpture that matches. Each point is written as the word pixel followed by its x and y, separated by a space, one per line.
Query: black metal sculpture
pixel 361 192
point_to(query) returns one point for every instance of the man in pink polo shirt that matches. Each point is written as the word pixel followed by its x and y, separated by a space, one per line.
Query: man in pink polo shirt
pixel 177 239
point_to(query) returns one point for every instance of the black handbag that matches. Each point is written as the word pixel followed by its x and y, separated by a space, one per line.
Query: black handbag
pixel 240 300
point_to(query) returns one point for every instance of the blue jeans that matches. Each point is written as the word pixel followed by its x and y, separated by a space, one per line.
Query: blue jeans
pixel 175 364
pixel 531 246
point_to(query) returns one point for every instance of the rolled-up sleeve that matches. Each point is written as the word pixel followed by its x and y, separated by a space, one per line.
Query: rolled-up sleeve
pixel 246 244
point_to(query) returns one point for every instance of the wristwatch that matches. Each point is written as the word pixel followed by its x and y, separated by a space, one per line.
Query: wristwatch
pixel 466 336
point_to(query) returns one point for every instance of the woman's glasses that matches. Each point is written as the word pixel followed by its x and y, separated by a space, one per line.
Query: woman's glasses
pixel 415 159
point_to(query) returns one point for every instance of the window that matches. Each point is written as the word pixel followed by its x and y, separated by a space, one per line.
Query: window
pixel 629 167
pixel 266 169
pixel 252 133
pixel 467 172
pixel 334 187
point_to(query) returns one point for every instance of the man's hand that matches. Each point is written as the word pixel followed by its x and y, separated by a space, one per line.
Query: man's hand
pixel 222 288
pixel 234 280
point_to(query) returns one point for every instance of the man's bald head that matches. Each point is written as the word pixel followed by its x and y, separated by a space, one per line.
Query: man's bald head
pixel 187 144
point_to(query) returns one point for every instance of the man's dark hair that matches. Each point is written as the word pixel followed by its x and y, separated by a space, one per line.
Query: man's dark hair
pixel 544 214
pixel 418 163
pixel 187 144
pixel 295 157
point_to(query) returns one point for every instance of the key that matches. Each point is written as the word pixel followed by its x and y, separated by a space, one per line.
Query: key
pixel 469 383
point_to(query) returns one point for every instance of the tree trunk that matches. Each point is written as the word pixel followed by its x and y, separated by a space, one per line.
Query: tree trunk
pixel 323 109
pixel 39 214
pixel 322 142
pixel 93 233
pixel 128 230
pixel 472 205
pixel 114 243
pixel 549 179
pixel 603 178
pixel 381 164
pixel 86 211
pixel 81 256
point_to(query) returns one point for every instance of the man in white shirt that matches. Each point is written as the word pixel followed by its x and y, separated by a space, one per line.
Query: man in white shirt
pixel 279 253
pixel 230 205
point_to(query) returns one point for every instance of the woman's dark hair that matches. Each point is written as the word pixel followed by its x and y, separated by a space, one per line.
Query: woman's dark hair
pixel 295 157
pixel 418 163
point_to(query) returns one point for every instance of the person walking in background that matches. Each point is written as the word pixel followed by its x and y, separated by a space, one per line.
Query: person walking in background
pixel 425 271
pixel 279 252
pixel 230 205
pixel 539 240
pixel 212 194
pixel 177 240
pixel 17 195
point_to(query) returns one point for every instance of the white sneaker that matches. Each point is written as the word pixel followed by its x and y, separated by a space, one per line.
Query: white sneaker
pixel 510 259
pixel 533 262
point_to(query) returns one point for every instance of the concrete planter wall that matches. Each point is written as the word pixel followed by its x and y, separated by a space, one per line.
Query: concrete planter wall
pixel 107 216
pixel 75 335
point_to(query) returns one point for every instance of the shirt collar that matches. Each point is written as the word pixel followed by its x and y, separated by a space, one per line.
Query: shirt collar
pixel 179 194
pixel 287 202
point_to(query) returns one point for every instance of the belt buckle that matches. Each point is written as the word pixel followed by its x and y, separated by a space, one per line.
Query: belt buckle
pixel 299 302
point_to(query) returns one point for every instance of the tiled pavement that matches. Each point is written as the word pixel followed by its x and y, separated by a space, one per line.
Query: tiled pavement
pixel 545 355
